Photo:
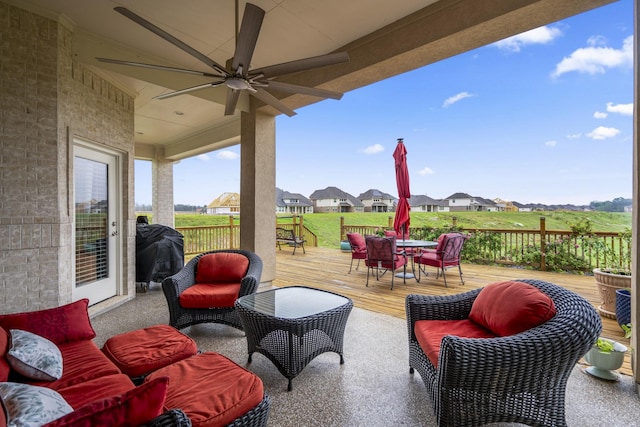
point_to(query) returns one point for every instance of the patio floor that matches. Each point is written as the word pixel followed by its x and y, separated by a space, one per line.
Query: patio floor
pixel 327 269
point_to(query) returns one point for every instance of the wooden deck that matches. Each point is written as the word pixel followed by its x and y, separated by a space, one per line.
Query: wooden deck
pixel 327 269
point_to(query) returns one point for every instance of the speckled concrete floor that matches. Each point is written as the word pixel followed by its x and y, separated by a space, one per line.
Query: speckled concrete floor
pixel 373 387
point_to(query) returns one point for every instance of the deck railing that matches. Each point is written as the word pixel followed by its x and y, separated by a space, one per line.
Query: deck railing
pixel 214 237
pixel 541 249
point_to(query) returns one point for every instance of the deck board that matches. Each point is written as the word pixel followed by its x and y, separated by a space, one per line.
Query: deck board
pixel 327 269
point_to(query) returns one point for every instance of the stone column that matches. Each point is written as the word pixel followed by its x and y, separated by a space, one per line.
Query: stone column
pixel 258 188
pixel 162 185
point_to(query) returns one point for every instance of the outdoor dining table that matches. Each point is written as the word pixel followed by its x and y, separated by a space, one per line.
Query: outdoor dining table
pixel 413 244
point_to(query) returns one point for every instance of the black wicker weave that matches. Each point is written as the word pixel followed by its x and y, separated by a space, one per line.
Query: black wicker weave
pixel 520 378
pixel 307 323
pixel 171 418
pixel 180 317
pixel 257 417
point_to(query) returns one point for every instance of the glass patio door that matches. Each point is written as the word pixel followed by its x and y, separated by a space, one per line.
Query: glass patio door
pixel 96 224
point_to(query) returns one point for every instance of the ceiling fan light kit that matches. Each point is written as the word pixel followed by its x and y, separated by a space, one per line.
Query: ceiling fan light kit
pixel 239 78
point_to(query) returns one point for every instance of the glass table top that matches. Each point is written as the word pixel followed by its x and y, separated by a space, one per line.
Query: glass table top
pixel 292 302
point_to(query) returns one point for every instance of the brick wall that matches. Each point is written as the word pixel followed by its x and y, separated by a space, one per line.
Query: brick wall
pixel 46 101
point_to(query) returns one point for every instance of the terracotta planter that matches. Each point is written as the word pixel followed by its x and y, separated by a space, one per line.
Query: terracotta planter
pixel 607 284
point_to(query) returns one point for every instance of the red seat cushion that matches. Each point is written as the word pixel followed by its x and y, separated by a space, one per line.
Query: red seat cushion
pixel 134 407
pixel 66 323
pixel 139 352
pixel 221 267
pixel 508 308
pixel 211 389
pixel 429 334
pixel 210 295
pixel 80 394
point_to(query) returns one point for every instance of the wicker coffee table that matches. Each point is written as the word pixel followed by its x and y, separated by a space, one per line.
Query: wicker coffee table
pixel 291 326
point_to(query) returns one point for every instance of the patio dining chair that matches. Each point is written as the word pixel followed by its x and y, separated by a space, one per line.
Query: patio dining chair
pixel 445 255
pixel 383 256
pixel 358 248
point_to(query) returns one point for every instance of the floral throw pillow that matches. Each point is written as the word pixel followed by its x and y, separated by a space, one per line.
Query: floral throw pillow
pixel 27 405
pixel 34 357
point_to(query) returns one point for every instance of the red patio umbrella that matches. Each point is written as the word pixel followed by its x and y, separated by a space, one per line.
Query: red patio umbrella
pixel 402 219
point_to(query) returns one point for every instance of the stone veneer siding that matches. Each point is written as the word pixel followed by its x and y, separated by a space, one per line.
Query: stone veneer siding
pixel 45 101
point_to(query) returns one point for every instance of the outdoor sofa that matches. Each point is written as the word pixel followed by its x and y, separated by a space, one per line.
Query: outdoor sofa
pixel 53 374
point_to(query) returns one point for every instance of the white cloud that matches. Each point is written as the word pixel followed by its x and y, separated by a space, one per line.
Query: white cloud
pixel 624 109
pixel 203 157
pixel 227 155
pixel 455 98
pixel 574 136
pixel 596 59
pixel 551 143
pixel 602 132
pixel 426 171
pixel 373 149
pixel 540 35
pixel 599 115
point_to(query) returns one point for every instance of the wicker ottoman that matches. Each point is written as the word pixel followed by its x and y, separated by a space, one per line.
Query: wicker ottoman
pixel 140 352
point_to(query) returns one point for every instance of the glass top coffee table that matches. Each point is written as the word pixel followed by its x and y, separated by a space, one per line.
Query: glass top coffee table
pixel 291 326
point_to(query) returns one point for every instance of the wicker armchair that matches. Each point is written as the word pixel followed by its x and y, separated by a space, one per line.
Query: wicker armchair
pixel 173 286
pixel 519 378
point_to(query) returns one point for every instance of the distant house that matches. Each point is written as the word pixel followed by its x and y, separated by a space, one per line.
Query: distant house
pixel 225 204
pixel 459 202
pixel 423 203
pixel 377 201
pixel 292 203
pixel 521 207
pixel 504 205
pixel 332 199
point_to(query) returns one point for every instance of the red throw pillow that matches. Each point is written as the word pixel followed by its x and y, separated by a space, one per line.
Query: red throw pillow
pixel 4 363
pixel 222 267
pixel 133 408
pixel 508 308
pixel 66 323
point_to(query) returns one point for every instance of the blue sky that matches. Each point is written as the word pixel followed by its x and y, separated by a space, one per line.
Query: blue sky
pixel 542 117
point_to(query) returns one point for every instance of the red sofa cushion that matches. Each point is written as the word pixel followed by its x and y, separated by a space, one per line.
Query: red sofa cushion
pixel 508 308
pixel 132 408
pixel 222 267
pixel 207 295
pixel 80 394
pixel 62 324
pixel 139 352
pixel 4 363
pixel 211 389
pixel 429 334
pixel 81 361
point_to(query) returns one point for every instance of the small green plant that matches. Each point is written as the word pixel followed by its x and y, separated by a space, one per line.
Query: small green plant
pixel 627 330
pixel 604 345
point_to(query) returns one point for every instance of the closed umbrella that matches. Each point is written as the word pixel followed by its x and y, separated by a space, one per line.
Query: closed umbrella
pixel 402 219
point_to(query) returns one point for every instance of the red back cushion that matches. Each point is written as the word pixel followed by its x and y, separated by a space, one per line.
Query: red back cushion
pixel 62 324
pixel 132 408
pixel 508 308
pixel 4 364
pixel 356 240
pixel 222 267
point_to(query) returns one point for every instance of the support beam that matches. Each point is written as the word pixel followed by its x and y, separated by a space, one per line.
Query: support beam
pixel 635 224
pixel 162 188
pixel 258 188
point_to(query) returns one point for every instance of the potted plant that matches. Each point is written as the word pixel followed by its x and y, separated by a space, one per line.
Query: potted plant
pixel 605 357
pixel 614 273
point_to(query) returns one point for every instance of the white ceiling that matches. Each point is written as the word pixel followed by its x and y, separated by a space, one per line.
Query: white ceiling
pixel 382 37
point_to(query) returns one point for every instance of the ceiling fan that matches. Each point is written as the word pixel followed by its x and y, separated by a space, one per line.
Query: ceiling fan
pixel 238 77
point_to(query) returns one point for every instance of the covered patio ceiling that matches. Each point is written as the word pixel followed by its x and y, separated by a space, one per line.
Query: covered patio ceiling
pixel 382 38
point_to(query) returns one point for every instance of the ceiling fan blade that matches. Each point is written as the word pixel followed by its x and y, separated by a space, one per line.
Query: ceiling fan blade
pixel 232 101
pixel 269 99
pixel 171 39
pixel 159 67
pixel 247 37
pixel 302 64
pixel 187 90
pixel 287 87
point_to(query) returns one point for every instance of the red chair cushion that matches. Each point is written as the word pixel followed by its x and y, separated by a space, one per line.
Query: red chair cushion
pixel 357 241
pixel 139 352
pixel 4 363
pixel 211 389
pixel 66 323
pixel 132 408
pixel 206 295
pixel 508 308
pixel 80 394
pixel 221 267
pixel 429 334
